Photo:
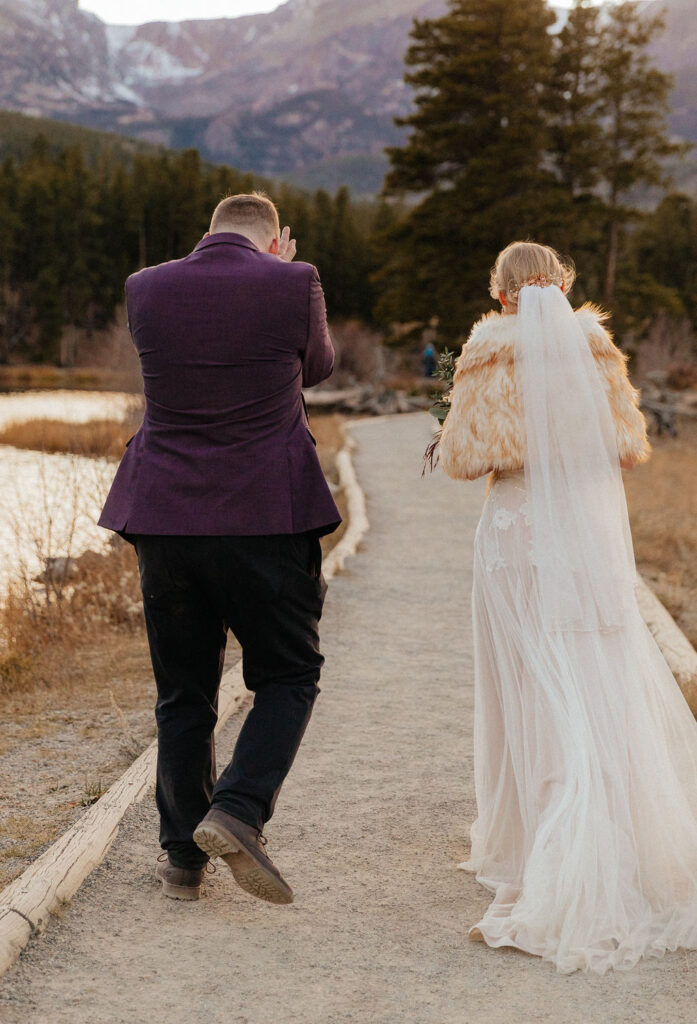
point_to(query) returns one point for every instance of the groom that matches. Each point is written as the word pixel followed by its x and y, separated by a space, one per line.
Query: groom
pixel 222 494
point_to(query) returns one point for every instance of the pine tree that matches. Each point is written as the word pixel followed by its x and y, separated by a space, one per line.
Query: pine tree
pixel 577 145
pixel 576 129
pixel 478 140
pixel 190 214
pixel 50 316
pixel 72 229
pixel 661 271
pixel 352 261
pixel 14 311
pixel 322 225
pixel 116 239
pixel 76 220
pixel 294 210
pixel 633 105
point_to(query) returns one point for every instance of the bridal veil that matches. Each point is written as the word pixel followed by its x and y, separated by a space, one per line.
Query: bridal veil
pixel 585 749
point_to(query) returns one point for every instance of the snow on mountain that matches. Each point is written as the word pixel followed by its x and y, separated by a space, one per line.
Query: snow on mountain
pixel 315 82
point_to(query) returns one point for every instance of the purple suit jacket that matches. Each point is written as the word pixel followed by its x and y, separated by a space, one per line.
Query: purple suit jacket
pixel 227 337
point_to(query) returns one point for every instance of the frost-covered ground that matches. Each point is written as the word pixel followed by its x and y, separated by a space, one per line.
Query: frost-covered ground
pixel 70 406
pixel 49 504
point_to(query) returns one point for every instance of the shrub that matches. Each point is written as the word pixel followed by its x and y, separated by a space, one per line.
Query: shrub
pixel 43 620
pixel 682 376
pixel 360 357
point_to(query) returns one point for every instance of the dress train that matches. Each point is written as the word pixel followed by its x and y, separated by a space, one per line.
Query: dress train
pixel 585 771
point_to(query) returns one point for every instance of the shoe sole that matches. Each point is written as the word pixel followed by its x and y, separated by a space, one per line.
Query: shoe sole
pixel 179 892
pixel 249 874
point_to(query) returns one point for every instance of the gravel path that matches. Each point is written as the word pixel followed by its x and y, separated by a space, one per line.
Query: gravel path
pixel 368 831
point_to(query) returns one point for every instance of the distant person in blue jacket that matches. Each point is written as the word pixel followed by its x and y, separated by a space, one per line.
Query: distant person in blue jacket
pixel 430 360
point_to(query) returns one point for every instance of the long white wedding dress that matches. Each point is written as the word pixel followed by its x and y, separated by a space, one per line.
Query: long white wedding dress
pixel 585 756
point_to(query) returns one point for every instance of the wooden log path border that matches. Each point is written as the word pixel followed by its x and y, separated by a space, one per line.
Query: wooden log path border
pixel 26 905
pixel 675 647
pixel 52 880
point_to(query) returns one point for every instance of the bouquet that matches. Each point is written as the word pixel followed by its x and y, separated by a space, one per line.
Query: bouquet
pixel 445 372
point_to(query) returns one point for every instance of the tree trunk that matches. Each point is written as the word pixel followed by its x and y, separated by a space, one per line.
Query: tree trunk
pixel 68 346
pixel 611 271
pixel 142 246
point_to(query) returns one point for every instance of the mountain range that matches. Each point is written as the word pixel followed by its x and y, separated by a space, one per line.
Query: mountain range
pixel 308 92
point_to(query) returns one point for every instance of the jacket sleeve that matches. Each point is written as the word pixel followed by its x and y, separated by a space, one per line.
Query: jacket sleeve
pixel 318 357
pixel 630 426
pixel 482 431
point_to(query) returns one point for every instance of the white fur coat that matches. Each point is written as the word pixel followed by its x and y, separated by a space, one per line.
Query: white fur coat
pixel 485 430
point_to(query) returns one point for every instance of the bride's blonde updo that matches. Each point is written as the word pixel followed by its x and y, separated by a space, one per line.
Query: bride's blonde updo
pixel 523 263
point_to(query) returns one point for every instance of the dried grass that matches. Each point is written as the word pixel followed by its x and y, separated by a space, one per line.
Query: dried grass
pixel 98 438
pixel 662 498
pixel 60 738
pixel 44 628
pixel 51 378
pixel 32 833
pixel 48 617
pixel 329 432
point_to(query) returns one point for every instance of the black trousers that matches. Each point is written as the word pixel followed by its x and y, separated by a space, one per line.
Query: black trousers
pixel 269 592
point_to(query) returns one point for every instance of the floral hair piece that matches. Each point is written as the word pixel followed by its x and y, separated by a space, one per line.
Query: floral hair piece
pixel 537 280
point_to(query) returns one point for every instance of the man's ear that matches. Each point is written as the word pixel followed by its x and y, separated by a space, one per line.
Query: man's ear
pixel 274 247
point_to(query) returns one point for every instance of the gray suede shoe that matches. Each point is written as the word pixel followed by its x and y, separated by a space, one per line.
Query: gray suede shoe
pixel 243 850
pixel 179 883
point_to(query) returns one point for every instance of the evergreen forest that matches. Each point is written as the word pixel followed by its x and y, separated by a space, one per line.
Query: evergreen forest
pixel 517 131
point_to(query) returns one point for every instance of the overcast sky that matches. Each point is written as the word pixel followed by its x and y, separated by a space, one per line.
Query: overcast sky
pixel 136 12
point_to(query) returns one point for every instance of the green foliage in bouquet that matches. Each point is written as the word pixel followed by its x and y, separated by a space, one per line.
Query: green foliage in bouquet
pixel 445 372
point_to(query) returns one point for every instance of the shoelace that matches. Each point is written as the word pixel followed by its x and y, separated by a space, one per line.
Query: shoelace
pixel 210 867
pixel 264 842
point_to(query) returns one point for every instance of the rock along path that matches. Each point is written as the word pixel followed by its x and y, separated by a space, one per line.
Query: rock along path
pixel 368 830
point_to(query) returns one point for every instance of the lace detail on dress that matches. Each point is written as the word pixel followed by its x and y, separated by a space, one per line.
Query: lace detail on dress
pixel 497 563
pixel 507 521
pixel 503 518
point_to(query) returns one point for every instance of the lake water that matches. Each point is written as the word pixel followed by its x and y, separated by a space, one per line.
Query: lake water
pixel 49 504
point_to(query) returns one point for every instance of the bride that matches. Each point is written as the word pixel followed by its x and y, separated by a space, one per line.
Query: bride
pixel 585 750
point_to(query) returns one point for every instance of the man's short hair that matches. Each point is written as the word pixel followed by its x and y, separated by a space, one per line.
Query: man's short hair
pixel 255 212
